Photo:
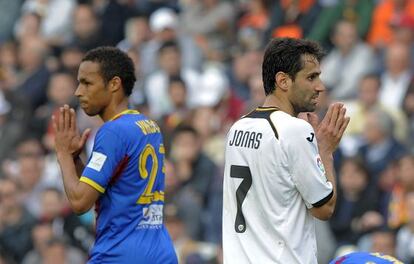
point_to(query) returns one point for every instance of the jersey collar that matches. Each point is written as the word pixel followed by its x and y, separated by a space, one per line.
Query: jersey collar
pixel 125 112
pixel 268 108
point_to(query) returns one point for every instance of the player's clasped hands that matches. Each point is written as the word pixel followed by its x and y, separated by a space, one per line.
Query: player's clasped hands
pixel 330 130
pixel 67 137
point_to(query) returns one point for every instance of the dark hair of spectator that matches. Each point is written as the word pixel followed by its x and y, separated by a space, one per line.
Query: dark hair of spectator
pixel 184 128
pixel 176 79
pixel 113 62
pixel 359 163
pixel 372 76
pixel 285 55
pixel 167 45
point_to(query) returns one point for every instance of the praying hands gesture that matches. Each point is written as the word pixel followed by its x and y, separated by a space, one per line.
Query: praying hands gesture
pixel 68 140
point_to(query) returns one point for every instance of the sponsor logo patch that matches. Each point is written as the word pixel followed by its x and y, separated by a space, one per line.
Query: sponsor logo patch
pixel 151 217
pixel 97 161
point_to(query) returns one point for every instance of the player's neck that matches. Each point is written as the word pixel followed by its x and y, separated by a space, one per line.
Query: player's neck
pixel 283 105
pixel 113 109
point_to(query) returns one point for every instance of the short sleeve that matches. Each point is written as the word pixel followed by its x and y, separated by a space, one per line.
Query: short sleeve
pixel 306 167
pixel 108 151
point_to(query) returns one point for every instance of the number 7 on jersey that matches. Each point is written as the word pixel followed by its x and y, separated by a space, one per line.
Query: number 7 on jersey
pixel 244 173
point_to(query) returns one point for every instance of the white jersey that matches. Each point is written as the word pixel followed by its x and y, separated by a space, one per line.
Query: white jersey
pixel 273 175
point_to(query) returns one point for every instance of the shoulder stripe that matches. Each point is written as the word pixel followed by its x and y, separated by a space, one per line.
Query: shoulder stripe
pixel 323 201
pixel 265 114
pixel 92 183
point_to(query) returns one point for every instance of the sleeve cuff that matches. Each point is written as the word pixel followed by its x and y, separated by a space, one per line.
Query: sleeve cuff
pixel 93 184
pixel 324 200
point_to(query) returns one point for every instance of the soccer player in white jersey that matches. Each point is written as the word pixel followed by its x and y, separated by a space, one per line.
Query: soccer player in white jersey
pixel 279 172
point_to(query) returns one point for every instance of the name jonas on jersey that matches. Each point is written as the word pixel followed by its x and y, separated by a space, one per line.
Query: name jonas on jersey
pixel 246 139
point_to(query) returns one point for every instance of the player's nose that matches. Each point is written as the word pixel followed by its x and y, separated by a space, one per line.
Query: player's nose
pixel 320 87
pixel 78 91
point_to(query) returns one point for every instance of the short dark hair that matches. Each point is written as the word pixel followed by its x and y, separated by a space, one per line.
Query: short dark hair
pixel 167 45
pixel 285 55
pixel 176 79
pixel 114 62
pixel 184 128
pixel 372 75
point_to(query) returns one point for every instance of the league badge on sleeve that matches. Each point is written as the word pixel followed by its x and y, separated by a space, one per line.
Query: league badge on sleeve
pixel 320 164
pixel 97 161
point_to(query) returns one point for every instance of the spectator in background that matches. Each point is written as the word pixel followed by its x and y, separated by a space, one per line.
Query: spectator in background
pixel 196 173
pixel 32 173
pixel 257 95
pixel 403 32
pixel 60 91
pixel 368 99
pixel 15 109
pixel 347 62
pixel 381 33
pixel 16 222
pixel 244 65
pixel 355 11
pixel 149 6
pixel 171 66
pixel 397 76
pixel 70 58
pixel 180 113
pixel 137 33
pixel 49 248
pixel 206 121
pixel 380 147
pixel 211 23
pixel 252 24
pixel 185 247
pixel 28 26
pixel 292 18
pixel 86 28
pixel 56 211
pixel 356 209
pixel 34 75
pixel 9 12
pixel 405 235
pixel 55 18
pixel 397 208
pixel 383 240
pixel 164 24
pixel 112 16
pixel 408 108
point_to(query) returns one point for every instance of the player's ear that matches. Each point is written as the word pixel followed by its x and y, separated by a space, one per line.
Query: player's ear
pixel 115 84
pixel 283 80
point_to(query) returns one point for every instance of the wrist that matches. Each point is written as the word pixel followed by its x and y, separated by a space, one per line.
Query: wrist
pixel 325 154
pixel 63 155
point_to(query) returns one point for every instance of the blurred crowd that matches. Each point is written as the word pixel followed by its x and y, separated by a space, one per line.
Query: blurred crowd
pixel 198 65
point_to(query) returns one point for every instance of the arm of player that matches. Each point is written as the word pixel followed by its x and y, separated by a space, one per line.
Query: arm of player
pixel 328 134
pixel 68 144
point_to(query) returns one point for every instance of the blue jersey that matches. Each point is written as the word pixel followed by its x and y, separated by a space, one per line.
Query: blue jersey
pixel 127 168
pixel 364 258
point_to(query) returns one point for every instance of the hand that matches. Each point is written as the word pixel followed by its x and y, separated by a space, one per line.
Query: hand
pixel 330 130
pixel 67 137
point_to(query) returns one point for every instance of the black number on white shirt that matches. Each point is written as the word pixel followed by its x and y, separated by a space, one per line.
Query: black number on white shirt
pixel 244 173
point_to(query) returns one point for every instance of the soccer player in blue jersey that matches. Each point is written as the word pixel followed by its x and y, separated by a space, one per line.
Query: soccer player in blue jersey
pixel 124 176
pixel 365 258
